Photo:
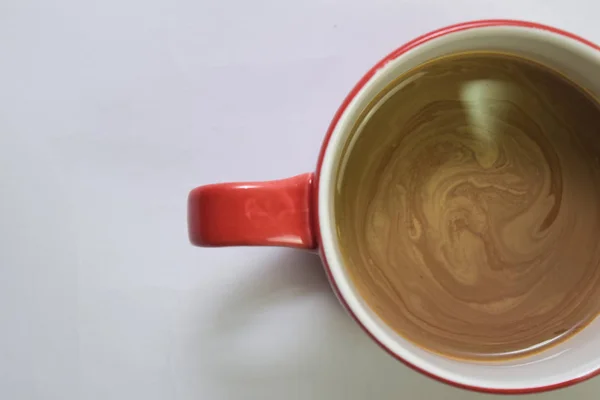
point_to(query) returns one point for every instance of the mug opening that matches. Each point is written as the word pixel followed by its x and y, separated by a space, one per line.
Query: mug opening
pixel 572 360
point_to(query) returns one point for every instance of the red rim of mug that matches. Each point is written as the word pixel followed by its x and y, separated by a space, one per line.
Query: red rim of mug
pixel 393 55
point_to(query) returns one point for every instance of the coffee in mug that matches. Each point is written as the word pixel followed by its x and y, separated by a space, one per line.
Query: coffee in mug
pixel 468 206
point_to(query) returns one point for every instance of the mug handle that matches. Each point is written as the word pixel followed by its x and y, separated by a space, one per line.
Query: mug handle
pixel 270 213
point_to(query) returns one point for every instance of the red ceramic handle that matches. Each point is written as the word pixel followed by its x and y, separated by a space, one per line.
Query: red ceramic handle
pixel 272 213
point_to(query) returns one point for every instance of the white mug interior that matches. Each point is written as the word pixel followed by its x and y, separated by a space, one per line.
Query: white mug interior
pixel 578 356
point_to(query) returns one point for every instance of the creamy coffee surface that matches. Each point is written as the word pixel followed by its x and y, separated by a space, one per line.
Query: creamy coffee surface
pixel 468 206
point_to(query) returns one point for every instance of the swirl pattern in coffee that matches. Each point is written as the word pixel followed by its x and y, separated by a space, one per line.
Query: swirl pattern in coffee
pixel 468 206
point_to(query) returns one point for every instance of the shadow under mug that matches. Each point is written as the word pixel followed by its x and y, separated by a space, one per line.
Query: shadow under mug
pixel 299 211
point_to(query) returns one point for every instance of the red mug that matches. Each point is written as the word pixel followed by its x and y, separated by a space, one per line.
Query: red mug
pixel 297 212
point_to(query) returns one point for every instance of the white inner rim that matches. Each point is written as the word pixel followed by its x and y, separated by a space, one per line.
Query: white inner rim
pixel 575 358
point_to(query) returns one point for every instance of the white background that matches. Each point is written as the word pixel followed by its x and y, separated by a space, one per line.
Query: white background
pixel 110 111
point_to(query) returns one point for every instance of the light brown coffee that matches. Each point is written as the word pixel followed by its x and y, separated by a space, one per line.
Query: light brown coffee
pixel 468 206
